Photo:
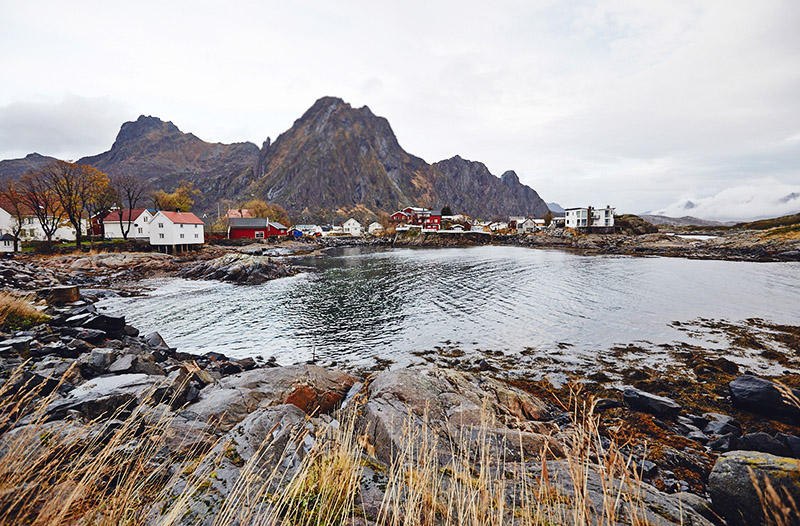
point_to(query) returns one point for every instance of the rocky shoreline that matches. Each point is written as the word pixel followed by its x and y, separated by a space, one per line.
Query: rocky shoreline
pixel 689 433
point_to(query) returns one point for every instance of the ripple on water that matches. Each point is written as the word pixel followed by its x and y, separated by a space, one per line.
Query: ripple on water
pixel 390 302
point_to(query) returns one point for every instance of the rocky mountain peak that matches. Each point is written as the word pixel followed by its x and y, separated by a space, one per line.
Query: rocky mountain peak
pixel 510 178
pixel 143 126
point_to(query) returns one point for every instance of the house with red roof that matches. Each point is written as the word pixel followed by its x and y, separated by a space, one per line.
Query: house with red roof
pixel 176 231
pixel 135 222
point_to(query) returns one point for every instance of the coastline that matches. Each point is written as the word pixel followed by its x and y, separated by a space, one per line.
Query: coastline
pixel 675 444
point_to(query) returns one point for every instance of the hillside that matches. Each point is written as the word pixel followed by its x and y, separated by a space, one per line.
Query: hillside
pixel 681 221
pixel 160 153
pixel 16 168
pixel 337 161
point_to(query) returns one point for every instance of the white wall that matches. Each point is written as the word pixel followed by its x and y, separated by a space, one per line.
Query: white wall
pixel 113 228
pixel 164 232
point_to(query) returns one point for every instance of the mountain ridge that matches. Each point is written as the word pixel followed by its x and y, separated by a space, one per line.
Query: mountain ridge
pixel 334 161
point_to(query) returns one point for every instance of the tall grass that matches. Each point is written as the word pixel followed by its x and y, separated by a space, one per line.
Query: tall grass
pixel 118 472
pixel 17 312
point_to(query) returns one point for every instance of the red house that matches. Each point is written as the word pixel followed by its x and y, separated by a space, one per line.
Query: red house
pixel 254 228
pixel 426 218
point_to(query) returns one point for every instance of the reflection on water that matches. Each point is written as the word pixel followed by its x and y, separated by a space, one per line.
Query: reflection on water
pixel 363 303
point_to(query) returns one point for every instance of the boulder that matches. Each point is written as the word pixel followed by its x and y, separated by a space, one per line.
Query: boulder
pixel 739 476
pixel 764 397
pixel 102 397
pixel 764 443
pixel 311 388
pixel 63 294
pixel 451 404
pixel 650 403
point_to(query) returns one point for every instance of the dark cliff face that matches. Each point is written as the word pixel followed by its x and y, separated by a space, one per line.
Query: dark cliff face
pixel 337 161
pixel 159 152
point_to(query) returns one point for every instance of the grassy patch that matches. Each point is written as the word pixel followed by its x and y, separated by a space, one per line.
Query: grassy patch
pixel 16 312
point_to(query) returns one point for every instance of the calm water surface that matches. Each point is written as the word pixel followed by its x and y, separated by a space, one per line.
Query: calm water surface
pixel 367 303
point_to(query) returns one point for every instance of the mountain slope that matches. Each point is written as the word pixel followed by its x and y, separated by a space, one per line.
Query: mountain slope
pixel 16 168
pixel 160 153
pixel 337 161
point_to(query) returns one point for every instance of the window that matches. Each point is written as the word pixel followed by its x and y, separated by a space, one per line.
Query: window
pixel 181 236
pixel 161 236
pixel 181 225
pixel 145 219
pixel 259 235
pixel 197 226
pixel 140 230
pixel 161 225
pixel 197 236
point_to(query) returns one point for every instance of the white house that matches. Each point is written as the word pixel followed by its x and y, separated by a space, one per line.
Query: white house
pixel 351 227
pixel 6 243
pixel 526 226
pixel 140 223
pixel 309 230
pixel 176 231
pixel 7 222
pixel 375 228
pixel 589 217
pixel 494 226
pixel 32 230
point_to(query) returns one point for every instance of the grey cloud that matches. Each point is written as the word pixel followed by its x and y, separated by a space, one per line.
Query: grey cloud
pixel 70 128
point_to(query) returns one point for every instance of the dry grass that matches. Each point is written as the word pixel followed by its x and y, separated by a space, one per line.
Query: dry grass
pixel 117 472
pixel 17 312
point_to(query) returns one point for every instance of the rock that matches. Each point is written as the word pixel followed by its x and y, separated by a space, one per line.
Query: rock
pixel 698 504
pixel 156 341
pixel 792 442
pixel 725 443
pixel 128 330
pixel 604 404
pixel 20 344
pixel 308 387
pixel 449 402
pixel 763 397
pixel 93 336
pixel 721 425
pixel 123 364
pixel 246 363
pixel 734 495
pixel 63 294
pixel 764 443
pixel 109 324
pixel 102 397
pixel 96 362
pixel 650 403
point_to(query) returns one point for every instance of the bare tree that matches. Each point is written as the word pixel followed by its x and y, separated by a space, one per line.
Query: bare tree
pixel 42 202
pixel 11 196
pixel 130 191
pixel 75 185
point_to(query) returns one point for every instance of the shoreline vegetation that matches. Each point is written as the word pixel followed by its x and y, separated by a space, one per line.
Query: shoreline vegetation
pixel 103 425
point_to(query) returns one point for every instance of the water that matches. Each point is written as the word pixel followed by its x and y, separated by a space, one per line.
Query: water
pixel 364 304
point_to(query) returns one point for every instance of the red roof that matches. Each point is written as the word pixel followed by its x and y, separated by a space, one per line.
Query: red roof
pixel 127 214
pixel 186 218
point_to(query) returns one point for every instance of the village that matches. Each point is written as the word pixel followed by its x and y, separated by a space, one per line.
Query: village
pixel 180 231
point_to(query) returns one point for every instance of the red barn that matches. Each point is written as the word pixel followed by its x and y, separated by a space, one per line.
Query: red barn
pixel 254 228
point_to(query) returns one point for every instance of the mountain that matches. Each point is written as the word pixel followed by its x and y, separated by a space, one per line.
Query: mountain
pixel 336 161
pixel 16 168
pixel 556 209
pixel 681 221
pixel 160 153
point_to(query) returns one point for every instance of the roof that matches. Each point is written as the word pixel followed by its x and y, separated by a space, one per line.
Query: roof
pixel 253 222
pixel 127 214
pixel 7 237
pixel 185 218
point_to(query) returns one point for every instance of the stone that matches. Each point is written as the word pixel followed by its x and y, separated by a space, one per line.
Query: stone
pixel 733 492
pixel 229 401
pixel 103 322
pixel 64 294
pixel 725 443
pixel 792 442
pixel 146 363
pixel 604 404
pixel 104 396
pixel 698 504
pixel 93 336
pixel 719 424
pixel 763 397
pixel 123 364
pixel 155 340
pixel 246 363
pixel 764 443
pixel 650 403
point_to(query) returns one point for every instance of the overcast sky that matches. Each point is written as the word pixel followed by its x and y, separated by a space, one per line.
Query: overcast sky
pixel 641 105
